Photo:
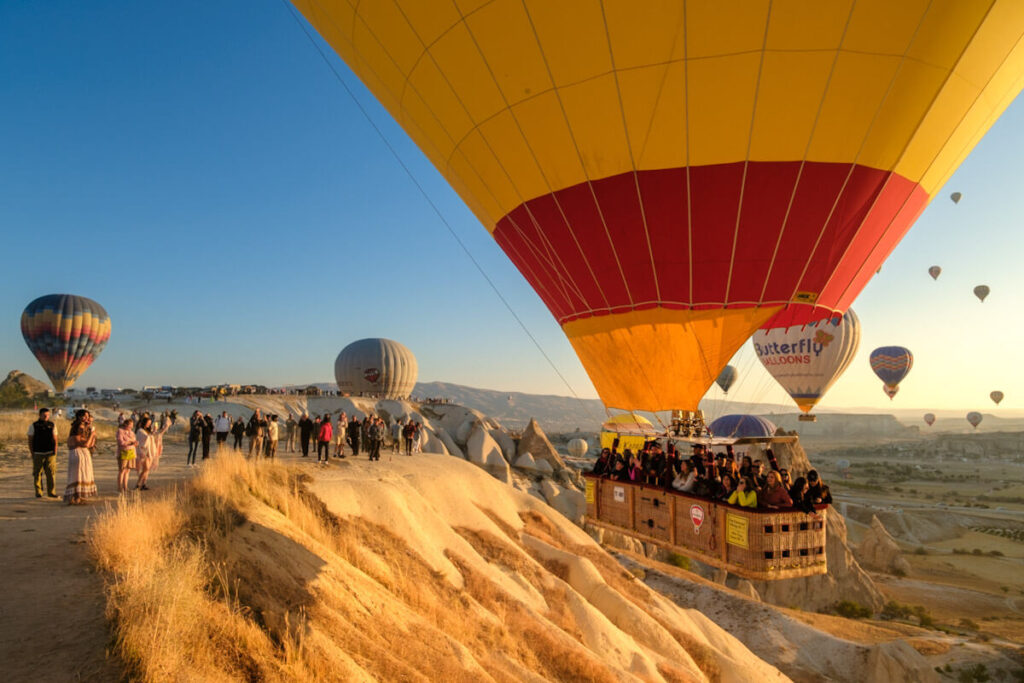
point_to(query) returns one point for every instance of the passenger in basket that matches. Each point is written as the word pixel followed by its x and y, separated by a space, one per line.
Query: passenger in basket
pixel 775 494
pixel 728 486
pixel 798 495
pixel 603 465
pixel 743 495
pixel 817 491
pixel 686 479
pixel 635 468
pixel 619 473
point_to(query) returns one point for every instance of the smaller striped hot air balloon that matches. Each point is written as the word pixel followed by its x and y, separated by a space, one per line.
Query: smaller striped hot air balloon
pixel 935 271
pixel 65 333
pixel 956 196
pixel 891 364
pixel 929 418
pixel 981 291
pixel 974 418
pixel 996 396
pixel 726 378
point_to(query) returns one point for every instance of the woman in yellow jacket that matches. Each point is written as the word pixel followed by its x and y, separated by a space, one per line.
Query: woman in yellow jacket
pixel 744 495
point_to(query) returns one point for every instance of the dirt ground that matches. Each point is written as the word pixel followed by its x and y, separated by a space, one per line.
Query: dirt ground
pixel 52 624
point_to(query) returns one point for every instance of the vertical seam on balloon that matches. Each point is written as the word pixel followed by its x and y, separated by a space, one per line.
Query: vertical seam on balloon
pixel 906 146
pixel 746 160
pixel 563 283
pixel 686 137
pixel 854 164
pixel 629 150
pixel 533 155
pixel 807 151
pixel 579 154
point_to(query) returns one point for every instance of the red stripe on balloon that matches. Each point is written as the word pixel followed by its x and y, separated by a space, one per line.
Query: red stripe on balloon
pixel 841 225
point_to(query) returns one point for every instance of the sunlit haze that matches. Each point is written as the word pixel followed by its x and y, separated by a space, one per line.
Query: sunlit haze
pixel 197 169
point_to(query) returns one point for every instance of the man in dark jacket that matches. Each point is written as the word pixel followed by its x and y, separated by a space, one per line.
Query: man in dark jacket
pixel 305 433
pixel 42 443
pixel 195 435
pixel 206 432
pixel 354 433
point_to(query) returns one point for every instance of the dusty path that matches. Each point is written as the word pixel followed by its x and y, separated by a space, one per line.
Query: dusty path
pixel 52 624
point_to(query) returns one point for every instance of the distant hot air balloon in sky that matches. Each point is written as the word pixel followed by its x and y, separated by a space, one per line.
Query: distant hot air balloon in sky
pixel 66 333
pixel 956 196
pixel 670 177
pixel 974 418
pixel 726 378
pixel 379 367
pixel 578 448
pixel 929 418
pixel 996 396
pixel 981 291
pixel 891 364
pixel 807 359
pixel 935 271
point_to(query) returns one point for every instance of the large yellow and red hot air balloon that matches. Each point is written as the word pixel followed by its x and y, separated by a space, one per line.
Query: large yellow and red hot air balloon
pixel 671 176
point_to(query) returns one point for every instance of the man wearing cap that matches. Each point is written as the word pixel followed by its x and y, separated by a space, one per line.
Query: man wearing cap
pixel 42 443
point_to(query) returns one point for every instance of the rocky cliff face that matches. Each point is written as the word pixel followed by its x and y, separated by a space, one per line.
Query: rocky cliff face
pixel 878 551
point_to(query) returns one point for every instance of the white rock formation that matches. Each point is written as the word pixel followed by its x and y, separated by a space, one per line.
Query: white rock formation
pixel 878 550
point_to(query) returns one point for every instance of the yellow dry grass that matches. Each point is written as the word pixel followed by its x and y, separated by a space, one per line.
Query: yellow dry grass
pixel 246 575
pixel 14 426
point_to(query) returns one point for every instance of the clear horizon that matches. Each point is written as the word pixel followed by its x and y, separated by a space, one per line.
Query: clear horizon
pixel 207 180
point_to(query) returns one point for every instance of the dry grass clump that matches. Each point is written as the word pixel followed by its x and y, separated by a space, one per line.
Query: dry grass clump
pixel 245 574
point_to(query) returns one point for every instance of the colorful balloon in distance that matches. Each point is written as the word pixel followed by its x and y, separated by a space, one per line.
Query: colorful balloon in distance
pixel 974 418
pixel 661 223
pixel 981 291
pixel 806 360
pixel 726 378
pixel 996 396
pixel 935 271
pixel 65 333
pixel 891 364
pixel 929 418
pixel 956 197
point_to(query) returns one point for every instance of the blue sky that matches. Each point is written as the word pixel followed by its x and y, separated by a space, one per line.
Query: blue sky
pixel 196 168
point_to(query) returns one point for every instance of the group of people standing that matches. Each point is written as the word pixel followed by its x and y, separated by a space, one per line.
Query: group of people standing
pixel 368 434
pixel 721 476
pixel 139 447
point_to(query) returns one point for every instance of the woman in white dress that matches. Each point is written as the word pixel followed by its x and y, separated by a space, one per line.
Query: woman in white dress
pixel 81 441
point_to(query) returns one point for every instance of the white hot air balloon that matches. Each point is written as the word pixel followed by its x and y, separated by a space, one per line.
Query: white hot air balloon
pixel 807 359
pixel 376 367
pixel 578 448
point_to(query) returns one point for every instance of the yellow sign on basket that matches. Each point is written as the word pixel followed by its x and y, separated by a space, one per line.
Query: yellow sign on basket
pixel 737 530
pixel 590 493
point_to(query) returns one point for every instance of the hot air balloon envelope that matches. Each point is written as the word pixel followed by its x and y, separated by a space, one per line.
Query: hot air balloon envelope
pixel 929 418
pixel 726 378
pixel 742 426
pixel 996 396
pixel 981 291
pixel 669 178
pixel 578 448
pixel 807 359
pixel 377 367
pixel 956 196
pixel 891 364
pixel 935 271
pixel 974 418
pixel 66 333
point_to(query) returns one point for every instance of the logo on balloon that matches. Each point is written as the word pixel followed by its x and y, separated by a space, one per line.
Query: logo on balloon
pixel 823 338
pixel 371 375
pixel 697 517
